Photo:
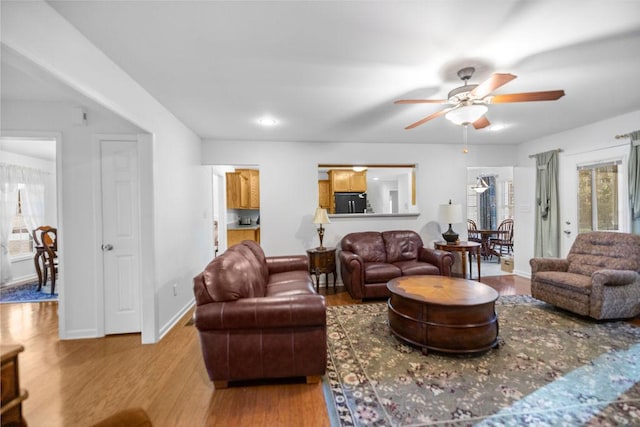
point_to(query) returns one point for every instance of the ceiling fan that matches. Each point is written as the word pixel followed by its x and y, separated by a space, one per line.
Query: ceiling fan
pixel 469 102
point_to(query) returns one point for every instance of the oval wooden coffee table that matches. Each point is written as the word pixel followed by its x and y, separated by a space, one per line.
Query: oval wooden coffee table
pixel 442 313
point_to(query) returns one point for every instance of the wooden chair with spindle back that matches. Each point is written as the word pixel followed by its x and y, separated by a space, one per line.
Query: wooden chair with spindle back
pixel 46 258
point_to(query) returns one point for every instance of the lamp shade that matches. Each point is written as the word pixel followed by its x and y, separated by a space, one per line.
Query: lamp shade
pixel 321 216
pixel 466 114
pixel 451 213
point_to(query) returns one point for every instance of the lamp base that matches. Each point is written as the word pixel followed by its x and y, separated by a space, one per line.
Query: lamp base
pixel 450 236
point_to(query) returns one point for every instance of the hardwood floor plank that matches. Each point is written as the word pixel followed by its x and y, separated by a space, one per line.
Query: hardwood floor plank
pixel 79 382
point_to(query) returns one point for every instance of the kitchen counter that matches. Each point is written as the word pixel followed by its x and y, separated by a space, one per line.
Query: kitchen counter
pixel 235 226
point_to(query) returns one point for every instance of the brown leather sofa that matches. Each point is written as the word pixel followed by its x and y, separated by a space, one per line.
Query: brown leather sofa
pixel 368 260
pixel 600 277
pixel 259 317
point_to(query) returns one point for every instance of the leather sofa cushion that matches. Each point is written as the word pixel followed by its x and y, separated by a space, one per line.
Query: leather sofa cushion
pixel 369 245
pixel 234 275
pixel 380 272
pixel 575 282
pixel 415 268
pixel 401 245
pixel 289 283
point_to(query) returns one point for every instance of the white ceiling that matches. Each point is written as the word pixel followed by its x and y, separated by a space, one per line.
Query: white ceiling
pixel 330 70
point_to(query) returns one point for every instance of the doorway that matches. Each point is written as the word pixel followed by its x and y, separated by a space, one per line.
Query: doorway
pixel 33 154
pixel 490 200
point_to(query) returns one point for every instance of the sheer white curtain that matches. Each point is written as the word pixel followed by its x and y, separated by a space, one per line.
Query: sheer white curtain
pixel 31 184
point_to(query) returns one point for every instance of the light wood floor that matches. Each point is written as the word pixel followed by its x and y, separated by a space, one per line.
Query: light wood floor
pixel 79 382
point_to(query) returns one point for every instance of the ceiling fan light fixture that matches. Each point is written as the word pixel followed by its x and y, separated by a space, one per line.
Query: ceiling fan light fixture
pixel 466 114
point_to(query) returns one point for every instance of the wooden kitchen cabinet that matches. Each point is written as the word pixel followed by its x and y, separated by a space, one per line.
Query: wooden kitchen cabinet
pixel 243 189
pixel 344 180
pixel 237 235
pixel 324 194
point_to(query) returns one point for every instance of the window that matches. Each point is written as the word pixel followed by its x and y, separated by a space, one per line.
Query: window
pixel 598 197
pixel 20 240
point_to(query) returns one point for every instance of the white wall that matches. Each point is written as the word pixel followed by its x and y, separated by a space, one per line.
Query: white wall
pixel 177 231
pixel 594 137
pixel 289 187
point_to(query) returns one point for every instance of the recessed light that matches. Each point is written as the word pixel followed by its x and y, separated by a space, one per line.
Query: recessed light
pixel 267 121
pixel 497 127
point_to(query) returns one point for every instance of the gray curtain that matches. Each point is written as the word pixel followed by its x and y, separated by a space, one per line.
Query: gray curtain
pixel 634 182
pixel 547 231
pixel 487 212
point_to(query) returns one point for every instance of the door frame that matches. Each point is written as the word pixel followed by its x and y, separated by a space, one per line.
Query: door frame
pixel 146 264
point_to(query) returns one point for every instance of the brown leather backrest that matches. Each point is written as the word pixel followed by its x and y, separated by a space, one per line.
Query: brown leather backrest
pixel 401 245
pixel 233 275
pixel 599 250
pixel 260 257
pixel 368 245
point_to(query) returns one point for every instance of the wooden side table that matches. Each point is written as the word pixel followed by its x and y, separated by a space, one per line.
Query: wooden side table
pixel 12 394
pixel 322 260
pixel 463 248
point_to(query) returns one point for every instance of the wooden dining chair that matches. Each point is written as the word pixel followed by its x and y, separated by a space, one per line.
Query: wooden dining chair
pixel 46 257
pixel 472 231
pixel 504 240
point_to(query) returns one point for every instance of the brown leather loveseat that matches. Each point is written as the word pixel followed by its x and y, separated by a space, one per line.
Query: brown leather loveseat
pixel 368 260
pixel 259 317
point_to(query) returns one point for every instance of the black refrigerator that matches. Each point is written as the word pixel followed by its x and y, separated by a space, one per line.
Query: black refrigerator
pixel 351 203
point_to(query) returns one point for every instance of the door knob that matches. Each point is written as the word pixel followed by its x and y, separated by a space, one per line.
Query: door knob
pixel 107 247
pixel 567 232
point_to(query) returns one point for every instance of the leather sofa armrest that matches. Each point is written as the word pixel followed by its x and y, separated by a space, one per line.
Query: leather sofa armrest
pixel 280 264
pixel 614 277
pixel 441 259
pixel 352 272
pixel 262 313
pixel 547 264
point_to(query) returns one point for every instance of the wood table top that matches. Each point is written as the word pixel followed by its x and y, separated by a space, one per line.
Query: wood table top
pixel 442 290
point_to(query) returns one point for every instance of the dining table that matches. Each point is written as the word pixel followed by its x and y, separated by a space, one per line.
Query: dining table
pixel 485 241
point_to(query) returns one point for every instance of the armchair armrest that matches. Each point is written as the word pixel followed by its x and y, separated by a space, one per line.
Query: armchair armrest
pixel 441 259
pixel 614 277
pixel 280 264
pixel 262 313
pixel 547 264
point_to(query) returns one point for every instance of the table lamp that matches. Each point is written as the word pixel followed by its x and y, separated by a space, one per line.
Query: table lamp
pixel 450 214
pixel 321 218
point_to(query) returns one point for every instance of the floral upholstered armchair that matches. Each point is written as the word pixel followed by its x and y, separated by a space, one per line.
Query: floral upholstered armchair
pixel 600 277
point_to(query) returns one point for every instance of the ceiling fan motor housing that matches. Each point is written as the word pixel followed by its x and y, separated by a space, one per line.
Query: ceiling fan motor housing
pixel 460 94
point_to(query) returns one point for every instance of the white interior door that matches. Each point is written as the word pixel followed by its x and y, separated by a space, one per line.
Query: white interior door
pixel 121 236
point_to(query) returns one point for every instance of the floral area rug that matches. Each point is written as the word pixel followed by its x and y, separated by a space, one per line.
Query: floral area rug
pixel 27 293
pixel 550 369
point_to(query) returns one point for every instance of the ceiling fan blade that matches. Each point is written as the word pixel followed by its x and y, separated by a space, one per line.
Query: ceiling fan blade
pixel 421 101
pixel 549 95
pixel 482 122
pixel 492 83
pixel 426 119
